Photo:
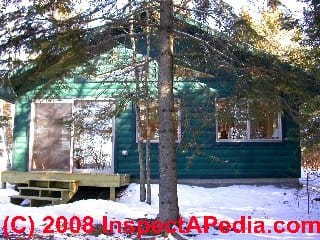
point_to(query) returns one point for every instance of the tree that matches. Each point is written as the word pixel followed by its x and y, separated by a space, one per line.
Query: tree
pixel 142 172
pixel 312 22
pixel 277 33
pixel 311 28
pixel 310 109
pixel 274 33
pixel 147 100
pixel 168 199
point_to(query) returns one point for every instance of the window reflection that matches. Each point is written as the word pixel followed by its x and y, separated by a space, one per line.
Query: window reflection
pixel 244 120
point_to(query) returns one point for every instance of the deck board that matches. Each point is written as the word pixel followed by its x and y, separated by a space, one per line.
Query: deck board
pixel 84 179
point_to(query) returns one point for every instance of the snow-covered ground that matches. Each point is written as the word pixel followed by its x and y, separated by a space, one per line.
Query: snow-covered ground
pixel 256 203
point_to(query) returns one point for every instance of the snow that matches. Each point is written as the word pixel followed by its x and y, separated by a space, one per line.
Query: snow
pixel 264 203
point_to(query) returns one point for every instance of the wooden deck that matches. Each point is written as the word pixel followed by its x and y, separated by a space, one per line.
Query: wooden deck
pixel 111 181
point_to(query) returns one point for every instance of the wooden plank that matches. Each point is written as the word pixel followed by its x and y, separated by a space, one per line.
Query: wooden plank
pixel 35 198
pixel 84 179
pixel 55 180
pixel 113 194
pixel 47 189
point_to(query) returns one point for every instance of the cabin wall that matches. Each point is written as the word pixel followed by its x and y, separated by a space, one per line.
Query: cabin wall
pixel 198 153
pixel 21 134
pixel 22 120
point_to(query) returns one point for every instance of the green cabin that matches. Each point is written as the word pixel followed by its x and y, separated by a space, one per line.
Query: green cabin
pixel 88 126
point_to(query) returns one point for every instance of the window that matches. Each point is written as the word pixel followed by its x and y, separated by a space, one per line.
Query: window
pixel 243 120
pixel 50 136
pixel 92 134
pixel 81 129
pixel 154 122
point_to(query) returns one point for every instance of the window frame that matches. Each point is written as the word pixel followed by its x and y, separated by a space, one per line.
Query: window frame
pixel 248 125
pixel 176 101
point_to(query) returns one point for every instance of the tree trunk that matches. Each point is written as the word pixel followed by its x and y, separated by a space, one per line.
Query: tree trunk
pixel 168 199
pixel 142 166
pixel 148 163
pixel 142 173
pixel 146 85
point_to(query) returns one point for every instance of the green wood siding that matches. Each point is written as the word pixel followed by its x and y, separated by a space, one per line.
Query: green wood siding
pixel 213 159
pixel 206 159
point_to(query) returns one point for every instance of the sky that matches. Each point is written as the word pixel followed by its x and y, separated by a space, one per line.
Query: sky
pixel 294 6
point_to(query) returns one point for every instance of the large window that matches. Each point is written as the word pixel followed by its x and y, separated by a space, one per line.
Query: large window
pixel 154 121
pixel 243 120
pixel 72 135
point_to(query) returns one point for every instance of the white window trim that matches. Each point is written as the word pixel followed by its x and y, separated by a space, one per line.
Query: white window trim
pixel 248 132
pixel 179 126
pixel 32 129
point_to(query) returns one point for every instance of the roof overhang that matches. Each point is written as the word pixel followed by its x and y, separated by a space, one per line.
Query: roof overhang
pixel 7 94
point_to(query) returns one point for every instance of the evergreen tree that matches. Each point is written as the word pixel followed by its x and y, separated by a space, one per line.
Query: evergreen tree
pixel 311 62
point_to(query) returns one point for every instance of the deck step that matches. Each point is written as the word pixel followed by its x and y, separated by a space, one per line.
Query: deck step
pixel 52 183
pixel 34 201
pixel 36 198
pixel 42 188
pixel 41 192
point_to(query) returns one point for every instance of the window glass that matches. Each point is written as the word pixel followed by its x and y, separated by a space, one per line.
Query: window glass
pixel 154 121
pixel 244 120
pixel 92 144
pixel 264 121
pixel 51 135
pixel 232 115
